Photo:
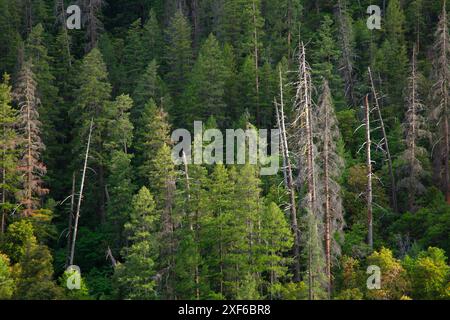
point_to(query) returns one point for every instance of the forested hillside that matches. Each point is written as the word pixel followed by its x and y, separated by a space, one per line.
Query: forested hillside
pixel 88 179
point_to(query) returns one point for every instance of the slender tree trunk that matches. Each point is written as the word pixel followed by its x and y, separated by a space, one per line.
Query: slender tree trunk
pixel 290 185
pixel 327 206
pixel 80 196
pixel 311 184
pixel 29 194
pixel 446 159
pixel 387 152
pixel 69 232
pixel 369 175
pixel 412 160
pixel 285 178
pixel 3 189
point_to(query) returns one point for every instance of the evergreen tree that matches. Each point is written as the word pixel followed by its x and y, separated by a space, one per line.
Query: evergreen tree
pixel 282 25
pixel 216 231
pixel 6 279
pixel 205 92
pixel 391 59
pixel 241 260
pixel 92 23
pixel 415 129
pixel 151 134
pixel 152 39
pixel 150 86
pixel 276 240
pixel 346 42
pixel 133 56
pixel 316 266
pixel 18 236
pixel 50 104
pixel 441 99
pixel 241 26
pixel 9 35
pixel 136 276
pixel 8 159
pixel 326 59
pixel 330 189
pixel 31 144
pixel 429 273
pixel 34 275
pixel 92 102
pixel 179 56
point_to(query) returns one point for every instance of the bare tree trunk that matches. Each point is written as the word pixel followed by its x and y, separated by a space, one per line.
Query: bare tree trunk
pixel 411 194
pixel 69 232
pixel 80 196
pixel 327 206
pixel 387 152
pixel 290 185
pixel 110 256
pixel 369 175
pixel 285 178
pixel 3 189
pixel 29 174
pixel 305 101
pixel 446 159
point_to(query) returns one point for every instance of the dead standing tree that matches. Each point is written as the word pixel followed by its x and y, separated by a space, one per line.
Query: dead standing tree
pixel 80 196
pixel 289 180
pixel 331 168
pixel 441 98
pixel 369 196
pixel 29 125
pixel 303 135
pixel 415 128
pixel 384 145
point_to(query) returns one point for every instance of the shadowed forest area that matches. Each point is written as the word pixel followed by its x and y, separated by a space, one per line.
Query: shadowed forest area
pixel 86 171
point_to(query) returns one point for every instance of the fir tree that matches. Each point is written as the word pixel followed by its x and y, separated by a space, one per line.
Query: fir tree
pixel 152 39
pixel 205 92
pixel 179 57
pixel 332 164
pixel 133 56
pixel 92 102
pixel 8 159
pixel 441 97
pixel 31 144
pixel 415 129
pixel 135 277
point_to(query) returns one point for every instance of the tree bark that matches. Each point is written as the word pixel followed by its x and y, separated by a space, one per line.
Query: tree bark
pixel 290 185
pixel 69 232
pixel 80 196
pixel 327 206
pixel 387 152
pixel 369 175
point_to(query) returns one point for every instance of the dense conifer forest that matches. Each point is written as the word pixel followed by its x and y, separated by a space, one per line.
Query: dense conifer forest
pixel 90 194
